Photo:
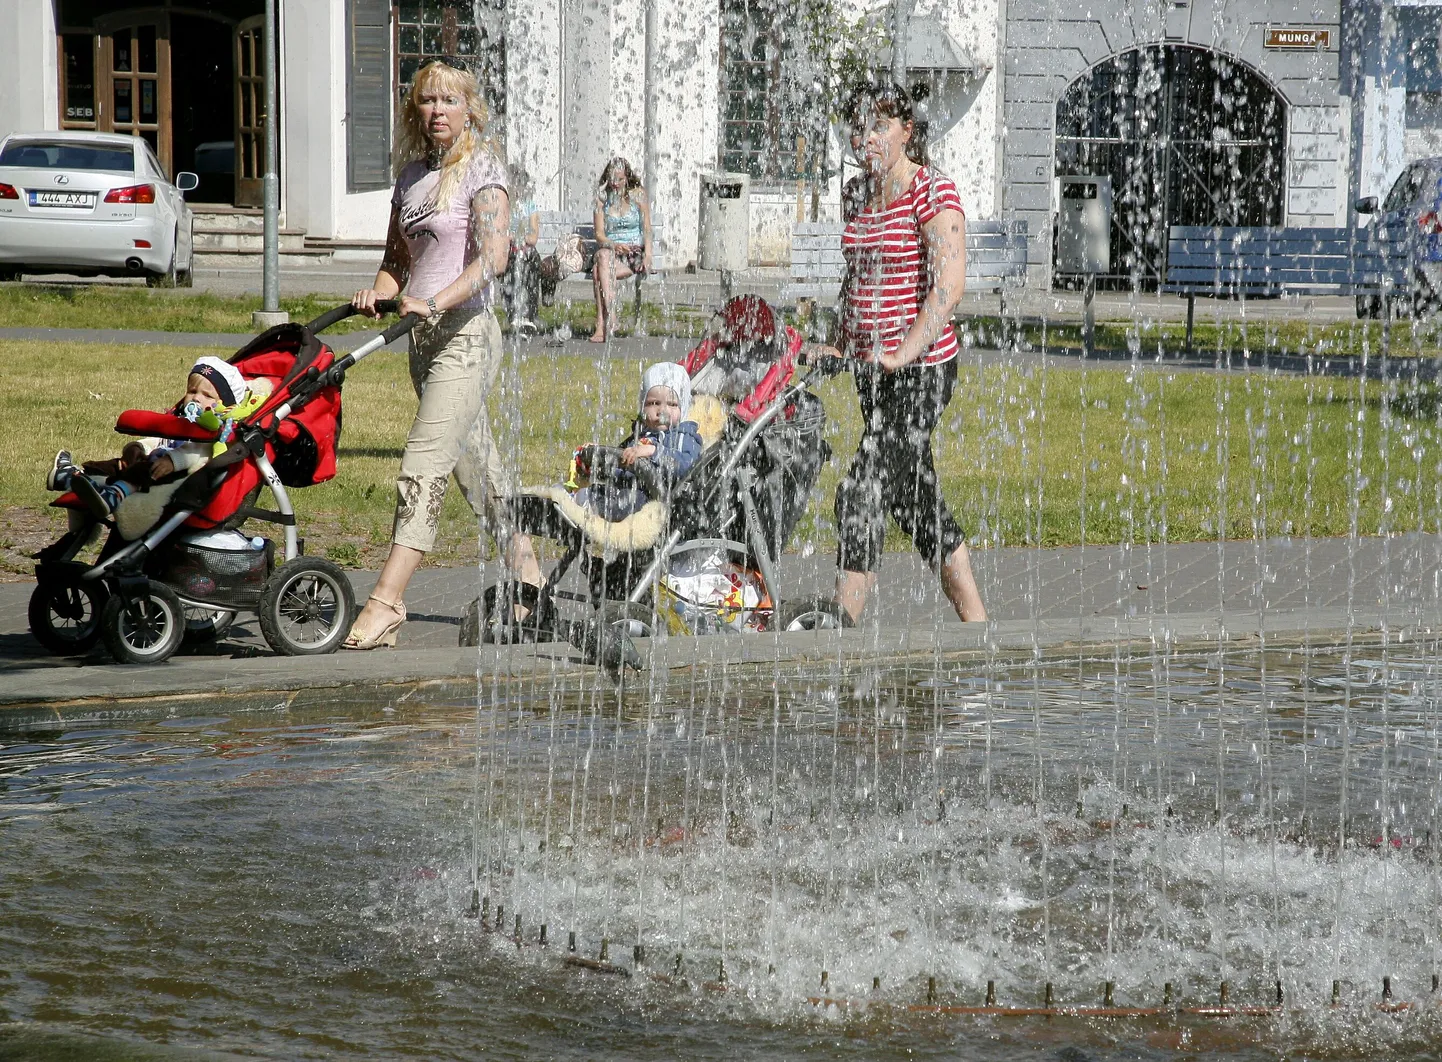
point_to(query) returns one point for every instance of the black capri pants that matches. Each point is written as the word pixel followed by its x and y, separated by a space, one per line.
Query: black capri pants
pixel 893 472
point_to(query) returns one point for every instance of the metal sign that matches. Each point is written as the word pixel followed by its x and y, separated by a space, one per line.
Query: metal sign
pixel 1290 37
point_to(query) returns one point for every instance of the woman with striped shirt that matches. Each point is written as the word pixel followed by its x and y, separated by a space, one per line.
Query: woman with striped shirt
pixel 905 250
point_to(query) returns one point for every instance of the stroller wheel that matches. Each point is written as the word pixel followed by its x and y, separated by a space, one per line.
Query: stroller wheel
pixel 145 630
pixel 812 614
pixel 605 639
pixel 484 621
pixel 307 608
pixel 205 625
pixel 65 610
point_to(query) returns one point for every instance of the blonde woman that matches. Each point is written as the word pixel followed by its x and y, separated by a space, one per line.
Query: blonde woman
pixel 449 238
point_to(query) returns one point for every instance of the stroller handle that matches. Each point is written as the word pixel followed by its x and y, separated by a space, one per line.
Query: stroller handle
pixel 340 313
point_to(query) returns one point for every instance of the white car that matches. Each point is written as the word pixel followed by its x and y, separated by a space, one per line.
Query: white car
pixel 92 204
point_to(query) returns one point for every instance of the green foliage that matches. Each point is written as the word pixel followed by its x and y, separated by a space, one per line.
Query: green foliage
pixel 842 50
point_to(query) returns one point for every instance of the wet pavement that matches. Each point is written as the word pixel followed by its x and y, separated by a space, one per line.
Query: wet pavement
pixel 1047 601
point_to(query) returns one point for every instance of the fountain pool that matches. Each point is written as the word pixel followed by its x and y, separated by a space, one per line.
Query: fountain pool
pixel 305 884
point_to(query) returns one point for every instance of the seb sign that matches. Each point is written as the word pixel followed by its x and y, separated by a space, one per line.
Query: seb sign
pixel 1283 37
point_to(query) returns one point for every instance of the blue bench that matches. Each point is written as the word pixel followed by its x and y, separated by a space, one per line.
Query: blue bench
pixel 1255 260
pixel 995 259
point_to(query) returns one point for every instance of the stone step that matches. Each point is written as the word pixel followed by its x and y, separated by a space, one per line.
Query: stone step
pixel 245 259
pixel 240 219
pixel 223 239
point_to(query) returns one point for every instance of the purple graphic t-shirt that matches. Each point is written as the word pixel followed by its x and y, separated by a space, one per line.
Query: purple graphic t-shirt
pixel 441 241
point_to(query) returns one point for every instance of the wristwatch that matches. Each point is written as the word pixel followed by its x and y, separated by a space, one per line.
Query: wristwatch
pixel 431 305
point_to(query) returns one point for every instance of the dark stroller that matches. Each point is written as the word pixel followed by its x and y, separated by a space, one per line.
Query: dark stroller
pixel 721 530
pixel 186 573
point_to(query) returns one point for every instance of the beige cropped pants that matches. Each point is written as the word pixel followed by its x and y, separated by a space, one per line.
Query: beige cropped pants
pixel 454 365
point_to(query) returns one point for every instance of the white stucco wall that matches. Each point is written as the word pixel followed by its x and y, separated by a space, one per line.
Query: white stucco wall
pixel 533 93
pixel 29 78
pixel 687 81
pixel 967 151
pixel 1317 152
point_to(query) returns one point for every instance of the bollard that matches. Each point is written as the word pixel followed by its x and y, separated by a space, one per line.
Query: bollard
pixel 824 978
pixel 605 950
pixel 1047 999
pixel 1386 988
pixel 1224 993
pixel 1167 994
pixel 1336 992
pixel 991 993
pixel 1107 998
pixel 638 955
pixel 543 942
pixel 931 991
pixel 571 941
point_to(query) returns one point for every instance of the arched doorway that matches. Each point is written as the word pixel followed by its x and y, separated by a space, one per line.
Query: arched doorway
pixel 1188 137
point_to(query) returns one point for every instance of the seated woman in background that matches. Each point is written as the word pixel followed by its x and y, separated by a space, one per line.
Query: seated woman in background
pixel 623 239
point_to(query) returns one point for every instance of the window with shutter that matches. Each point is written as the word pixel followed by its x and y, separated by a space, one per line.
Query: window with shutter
pixel 368 95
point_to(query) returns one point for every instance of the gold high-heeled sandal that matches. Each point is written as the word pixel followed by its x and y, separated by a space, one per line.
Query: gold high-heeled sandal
pixel 383 638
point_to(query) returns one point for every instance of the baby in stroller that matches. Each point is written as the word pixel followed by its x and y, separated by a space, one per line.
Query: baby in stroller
pixel 662 448
pixel 216 396
pixel 711 532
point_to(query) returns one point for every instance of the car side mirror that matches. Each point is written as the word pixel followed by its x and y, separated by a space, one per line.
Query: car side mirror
pixel 1367 205
pixel 187 181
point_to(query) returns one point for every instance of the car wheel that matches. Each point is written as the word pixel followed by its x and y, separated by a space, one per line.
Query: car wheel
pixel 185 278
pixel 168 278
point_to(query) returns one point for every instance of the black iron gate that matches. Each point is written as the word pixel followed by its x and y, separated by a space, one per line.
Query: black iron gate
pixel 1187 136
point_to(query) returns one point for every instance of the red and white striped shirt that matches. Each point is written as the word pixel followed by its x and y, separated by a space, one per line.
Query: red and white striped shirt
pixel 887 275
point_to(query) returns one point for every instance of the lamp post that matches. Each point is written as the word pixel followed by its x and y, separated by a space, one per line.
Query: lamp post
pixel 271 313
pixel 900 17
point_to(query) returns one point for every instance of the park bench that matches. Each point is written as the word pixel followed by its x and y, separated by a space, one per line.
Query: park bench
pixel 1240 261
pixel 556 224
pixel 995 259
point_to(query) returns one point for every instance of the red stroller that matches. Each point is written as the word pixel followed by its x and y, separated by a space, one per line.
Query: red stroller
pixel 184 577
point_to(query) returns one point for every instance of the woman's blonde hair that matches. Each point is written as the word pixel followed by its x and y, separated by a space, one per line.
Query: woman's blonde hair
pixel 412 143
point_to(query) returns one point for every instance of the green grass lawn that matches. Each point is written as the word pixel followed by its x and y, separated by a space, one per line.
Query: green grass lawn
pixel 132 307
pixel 1150 337
pixel 1025 455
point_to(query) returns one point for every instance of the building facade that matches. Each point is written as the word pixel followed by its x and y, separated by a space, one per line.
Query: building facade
pixel 1201 111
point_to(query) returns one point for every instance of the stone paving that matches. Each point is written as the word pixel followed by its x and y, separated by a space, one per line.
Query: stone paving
pixel 1292 590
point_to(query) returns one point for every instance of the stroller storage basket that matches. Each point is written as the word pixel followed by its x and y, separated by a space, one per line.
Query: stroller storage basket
pixel 229 577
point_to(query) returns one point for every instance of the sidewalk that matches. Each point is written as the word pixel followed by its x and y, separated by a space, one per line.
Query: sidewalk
pixel 1048 600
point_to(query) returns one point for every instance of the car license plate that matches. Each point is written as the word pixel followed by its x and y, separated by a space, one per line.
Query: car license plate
pixel 83 200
